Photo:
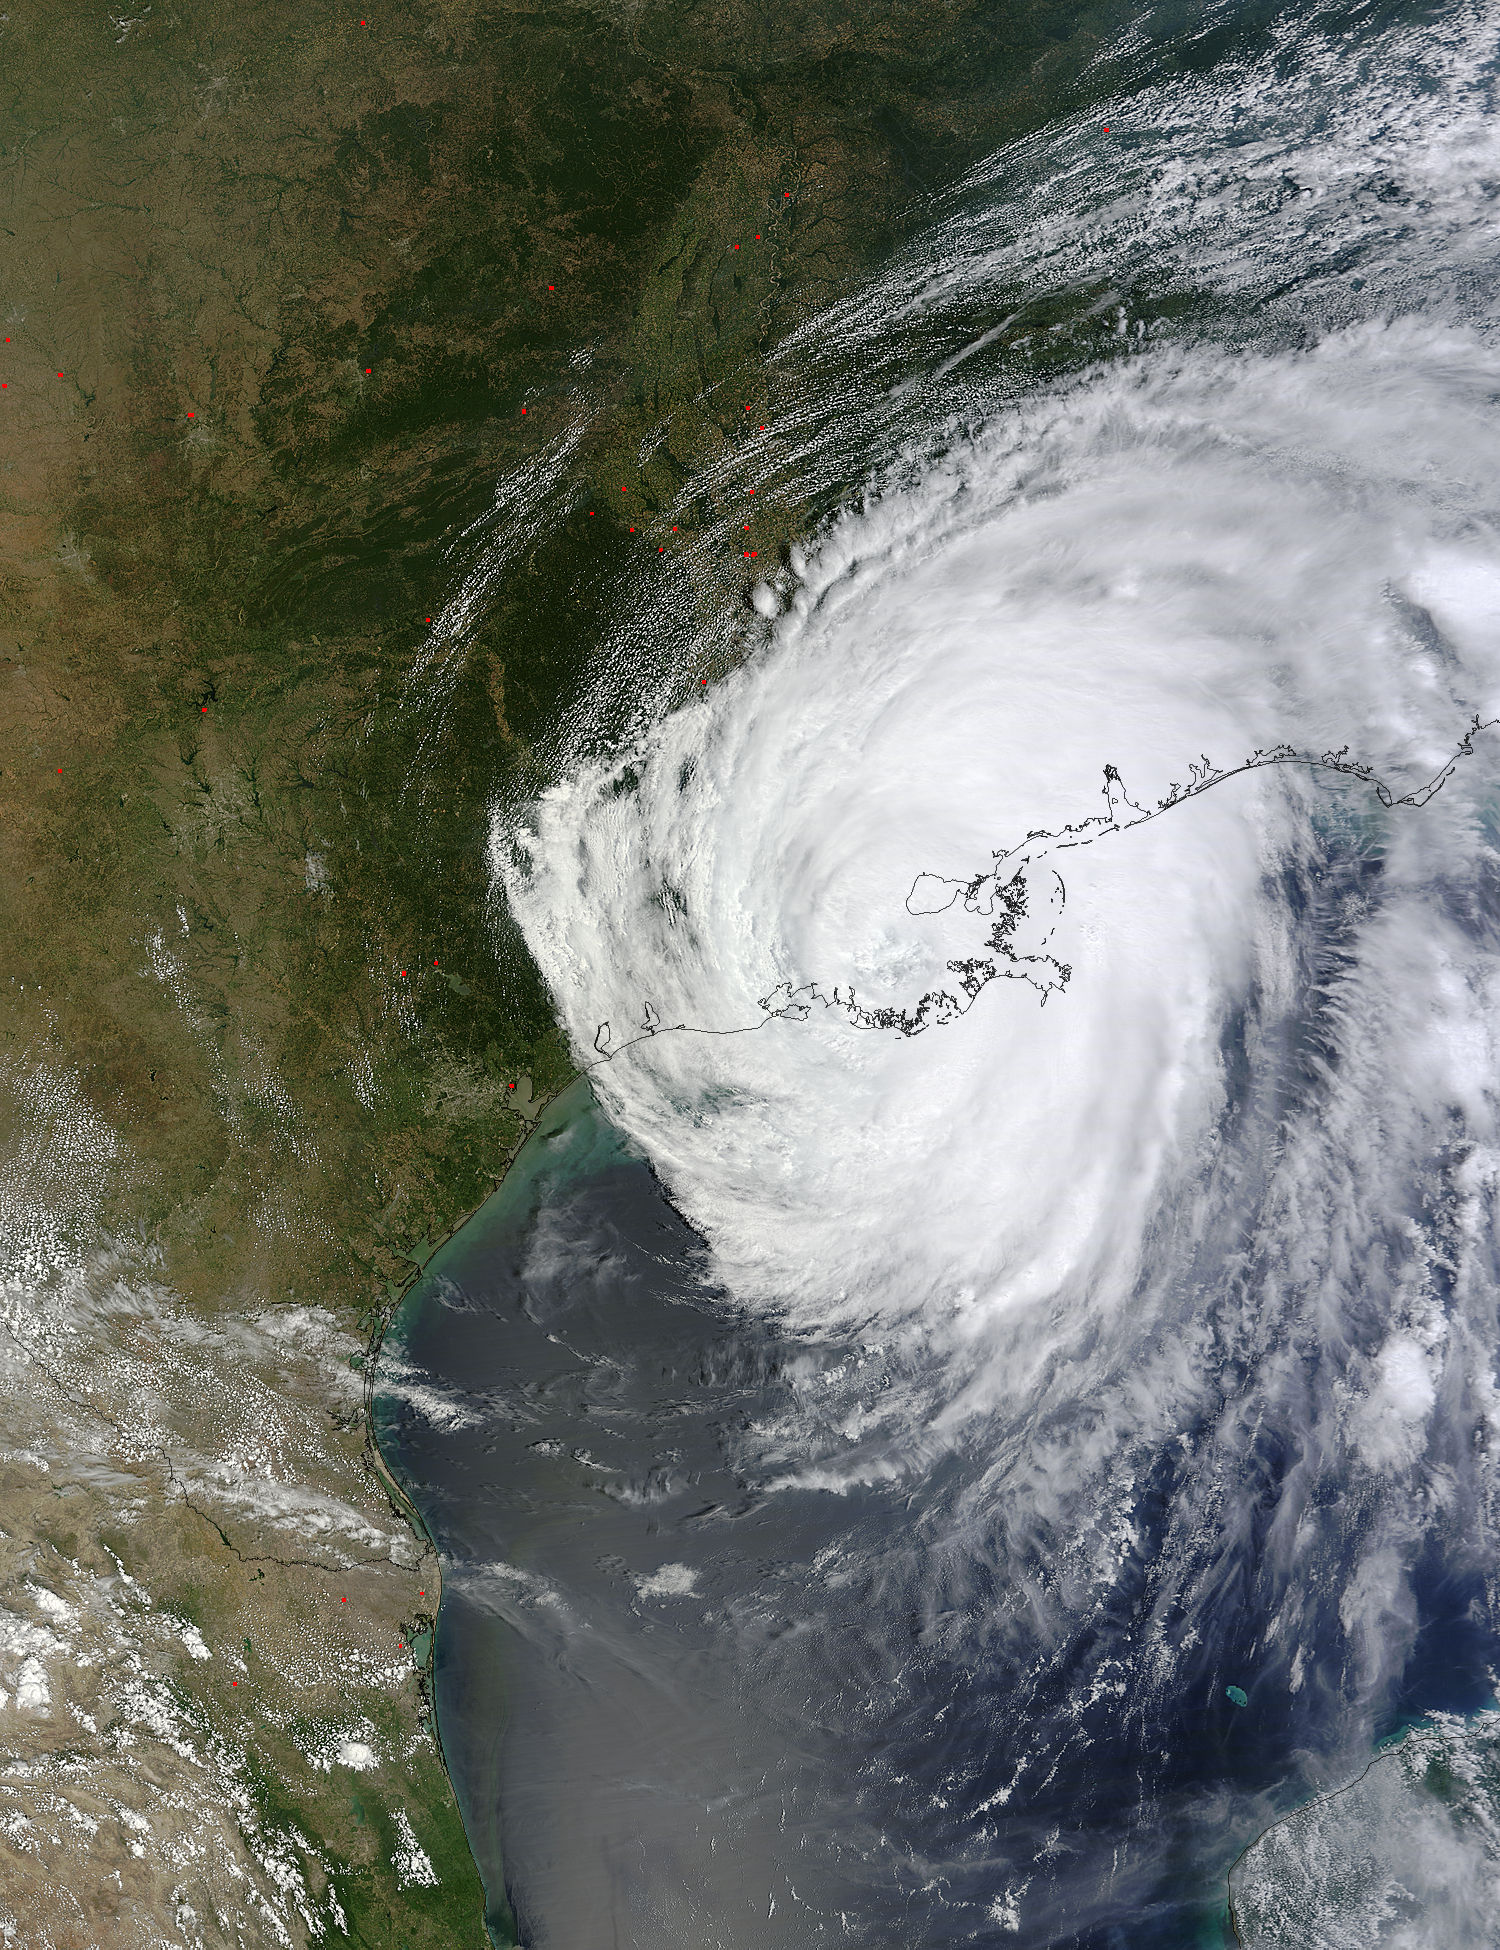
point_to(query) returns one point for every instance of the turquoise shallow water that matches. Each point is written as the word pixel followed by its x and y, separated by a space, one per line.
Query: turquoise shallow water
pixel 689 1698
pixel 1013 1608
pixel 682 1703
pixel 467 1680
pixel 526 1385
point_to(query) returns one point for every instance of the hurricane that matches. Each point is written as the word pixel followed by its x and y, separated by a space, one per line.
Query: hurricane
pixel 1052 972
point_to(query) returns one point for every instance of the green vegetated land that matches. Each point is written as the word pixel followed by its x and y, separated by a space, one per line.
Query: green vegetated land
pixel 286 290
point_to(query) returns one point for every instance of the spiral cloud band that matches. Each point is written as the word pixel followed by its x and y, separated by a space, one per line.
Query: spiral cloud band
pixel 1175 1259
pixel 1197 554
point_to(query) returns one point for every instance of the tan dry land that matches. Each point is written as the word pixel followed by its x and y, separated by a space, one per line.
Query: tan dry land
pixel 276 283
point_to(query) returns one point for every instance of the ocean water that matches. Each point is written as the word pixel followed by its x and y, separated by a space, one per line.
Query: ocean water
pixel 985 1401
pixel 665 1684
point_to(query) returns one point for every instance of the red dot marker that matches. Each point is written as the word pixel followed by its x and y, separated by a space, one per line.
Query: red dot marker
pixel 344 1601
pixel 434 961
pixel 403 972
pixel 757 236
pixel 202 707
pixel 369 369
pixel 426 619
pixel 59 375
pixel 552 287
pixel 234 1682
pixel 192 416
pixel 1106 128
pixel 786 192
pixel 421 1594
pixel 591 514
pixel 523 409
pixel 59 771
pixel 702 680
pixel 4 383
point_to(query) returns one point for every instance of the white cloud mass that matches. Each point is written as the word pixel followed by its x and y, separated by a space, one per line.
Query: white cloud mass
pixel 1231 1194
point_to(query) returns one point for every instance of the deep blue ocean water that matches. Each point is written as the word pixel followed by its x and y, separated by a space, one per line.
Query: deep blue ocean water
pixel 1076 1448
pixel 760 1746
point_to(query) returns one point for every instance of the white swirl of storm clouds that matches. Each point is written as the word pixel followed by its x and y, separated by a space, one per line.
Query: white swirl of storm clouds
pixel 1201 554
pixel 1222 1212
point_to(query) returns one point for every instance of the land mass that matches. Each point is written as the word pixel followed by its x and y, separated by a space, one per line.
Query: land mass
pixel 346 361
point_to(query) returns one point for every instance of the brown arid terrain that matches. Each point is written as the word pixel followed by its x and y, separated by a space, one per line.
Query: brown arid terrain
pixel 287 291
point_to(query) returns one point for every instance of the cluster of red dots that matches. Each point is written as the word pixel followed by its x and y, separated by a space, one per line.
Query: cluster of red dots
pixel 749 554
pixel 5 383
